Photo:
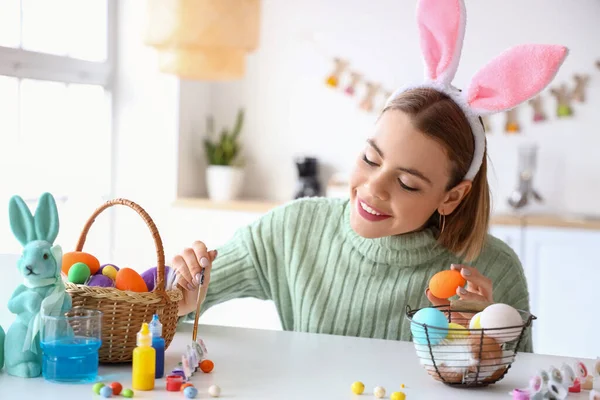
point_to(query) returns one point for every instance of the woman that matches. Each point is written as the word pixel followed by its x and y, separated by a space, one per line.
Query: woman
pixel 350 267
pixel 419 203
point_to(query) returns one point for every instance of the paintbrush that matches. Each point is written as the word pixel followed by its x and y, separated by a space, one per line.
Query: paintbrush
pixel 201 295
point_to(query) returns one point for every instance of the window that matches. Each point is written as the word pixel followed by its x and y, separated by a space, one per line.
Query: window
pixel 55 125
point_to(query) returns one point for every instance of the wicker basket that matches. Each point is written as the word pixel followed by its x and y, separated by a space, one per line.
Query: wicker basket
pixel 125 311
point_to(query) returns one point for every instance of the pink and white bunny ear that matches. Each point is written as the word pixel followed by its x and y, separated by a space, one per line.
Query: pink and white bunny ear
pixel 514 77
pixel 442 30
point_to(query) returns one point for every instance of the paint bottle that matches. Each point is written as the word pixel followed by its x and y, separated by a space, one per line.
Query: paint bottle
pixel 144 361
pixel 158 343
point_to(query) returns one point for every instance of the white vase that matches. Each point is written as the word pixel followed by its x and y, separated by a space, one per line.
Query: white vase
pixel 224 183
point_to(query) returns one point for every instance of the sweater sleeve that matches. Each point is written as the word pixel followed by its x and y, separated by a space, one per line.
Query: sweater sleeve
pixel 234 273
pixel 509 284
pixel 250 264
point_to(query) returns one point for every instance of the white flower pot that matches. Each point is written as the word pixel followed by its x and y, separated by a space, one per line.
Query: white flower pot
pixel 224 182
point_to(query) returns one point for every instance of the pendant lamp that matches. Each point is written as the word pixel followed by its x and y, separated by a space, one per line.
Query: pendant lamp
pixel 203 39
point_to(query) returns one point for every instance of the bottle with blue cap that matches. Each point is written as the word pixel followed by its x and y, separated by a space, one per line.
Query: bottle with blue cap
pixel 158 342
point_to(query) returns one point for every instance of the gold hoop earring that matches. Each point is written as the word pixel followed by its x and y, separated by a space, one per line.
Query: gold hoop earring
pixel 442 222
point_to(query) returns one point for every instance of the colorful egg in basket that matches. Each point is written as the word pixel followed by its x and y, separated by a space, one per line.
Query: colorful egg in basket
pixel 454 353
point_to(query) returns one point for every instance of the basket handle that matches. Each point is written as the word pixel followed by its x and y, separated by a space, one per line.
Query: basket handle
pixel 160 254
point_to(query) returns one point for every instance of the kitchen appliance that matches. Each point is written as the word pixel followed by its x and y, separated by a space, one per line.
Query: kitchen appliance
pixel 308 180
pixel 525 192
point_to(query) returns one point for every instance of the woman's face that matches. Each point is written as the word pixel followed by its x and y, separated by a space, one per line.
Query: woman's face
pixel 400 180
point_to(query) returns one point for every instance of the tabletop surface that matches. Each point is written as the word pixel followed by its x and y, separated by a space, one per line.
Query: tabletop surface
pixel 263 364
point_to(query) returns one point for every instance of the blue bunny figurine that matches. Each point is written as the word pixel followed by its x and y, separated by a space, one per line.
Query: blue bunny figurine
pixel 42 290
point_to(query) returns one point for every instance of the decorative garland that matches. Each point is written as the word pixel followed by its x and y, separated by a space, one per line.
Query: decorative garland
pixel 564 95
pixel 373 91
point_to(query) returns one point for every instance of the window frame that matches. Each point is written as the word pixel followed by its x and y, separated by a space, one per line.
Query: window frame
pixel 26 64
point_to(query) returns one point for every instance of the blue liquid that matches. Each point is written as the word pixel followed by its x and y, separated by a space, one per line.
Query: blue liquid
pixel 159 346
pixel 73 359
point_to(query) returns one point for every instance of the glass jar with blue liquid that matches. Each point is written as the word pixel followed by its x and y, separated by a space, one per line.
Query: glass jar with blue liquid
pixel 70 344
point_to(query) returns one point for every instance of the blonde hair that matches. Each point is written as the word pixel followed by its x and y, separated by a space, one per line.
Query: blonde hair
pixel 437 116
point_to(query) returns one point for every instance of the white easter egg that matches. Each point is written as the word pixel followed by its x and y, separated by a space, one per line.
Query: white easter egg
pixel 379 392
pixel 214 391
pixel 501 316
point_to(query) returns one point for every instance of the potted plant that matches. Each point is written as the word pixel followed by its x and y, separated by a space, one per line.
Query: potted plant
pixel 224 174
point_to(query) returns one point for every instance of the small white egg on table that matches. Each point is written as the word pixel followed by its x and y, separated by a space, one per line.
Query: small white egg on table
pixel 214 391
pixel 379 392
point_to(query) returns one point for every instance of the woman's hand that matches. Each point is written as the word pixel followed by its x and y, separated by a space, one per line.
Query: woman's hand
pixel 192 268
pixel 478 288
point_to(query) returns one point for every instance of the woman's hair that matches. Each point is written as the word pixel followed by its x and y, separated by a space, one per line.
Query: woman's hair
pixel 439 117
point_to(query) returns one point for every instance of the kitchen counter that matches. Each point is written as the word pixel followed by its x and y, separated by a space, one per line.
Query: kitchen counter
pixel 549 221
pixel 531 220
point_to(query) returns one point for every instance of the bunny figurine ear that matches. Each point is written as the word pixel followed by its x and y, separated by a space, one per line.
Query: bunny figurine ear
pixel 46 219
pixel 21 220
pixel 514 77
pixel 442 30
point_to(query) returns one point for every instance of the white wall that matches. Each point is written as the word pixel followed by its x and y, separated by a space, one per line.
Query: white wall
pixel 146 122
pixel 291 111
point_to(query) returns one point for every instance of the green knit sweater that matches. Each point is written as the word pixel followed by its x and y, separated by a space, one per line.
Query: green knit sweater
pixel 323 277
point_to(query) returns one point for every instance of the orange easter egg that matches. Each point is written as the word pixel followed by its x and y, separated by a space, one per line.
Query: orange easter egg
pixel 73 257
pixel 185 385
pixel 443 285
pixel 206 365
pixel 128 279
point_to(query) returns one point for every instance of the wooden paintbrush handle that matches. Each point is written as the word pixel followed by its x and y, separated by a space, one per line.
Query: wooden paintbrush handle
pixel 199 301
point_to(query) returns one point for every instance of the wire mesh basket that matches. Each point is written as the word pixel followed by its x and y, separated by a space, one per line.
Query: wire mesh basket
pixel 463 356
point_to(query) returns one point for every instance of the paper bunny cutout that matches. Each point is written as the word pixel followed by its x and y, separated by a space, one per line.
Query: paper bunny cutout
pixel 563 101
pixel 581 82
pixel 512 121
pixel 340 65
pixel 371 90
pixel 355 78
pixel 42 290
pixel 539 114
pixel 508 80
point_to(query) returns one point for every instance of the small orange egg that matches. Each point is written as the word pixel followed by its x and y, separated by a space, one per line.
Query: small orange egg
pixel 185 385
pixel 116 387
pixel 129 279
pixel 74 257
pixel 206 366
pixel 443 285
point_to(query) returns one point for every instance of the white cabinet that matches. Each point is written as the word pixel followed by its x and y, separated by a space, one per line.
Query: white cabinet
pixel 511 235
pixel 563 271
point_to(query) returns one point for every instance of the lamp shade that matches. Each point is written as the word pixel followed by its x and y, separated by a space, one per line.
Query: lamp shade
pixel 206 64
pixel 203 39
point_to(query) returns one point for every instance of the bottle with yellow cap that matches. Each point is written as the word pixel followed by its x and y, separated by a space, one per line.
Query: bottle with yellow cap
pixel 144 361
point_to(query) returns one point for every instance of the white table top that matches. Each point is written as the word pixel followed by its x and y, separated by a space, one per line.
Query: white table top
pixel 259 364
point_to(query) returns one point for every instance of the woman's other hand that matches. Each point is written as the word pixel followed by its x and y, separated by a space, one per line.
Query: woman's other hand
pixel 478 287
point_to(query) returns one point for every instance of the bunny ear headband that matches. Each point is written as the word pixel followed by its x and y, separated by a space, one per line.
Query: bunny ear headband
pixel 511 78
